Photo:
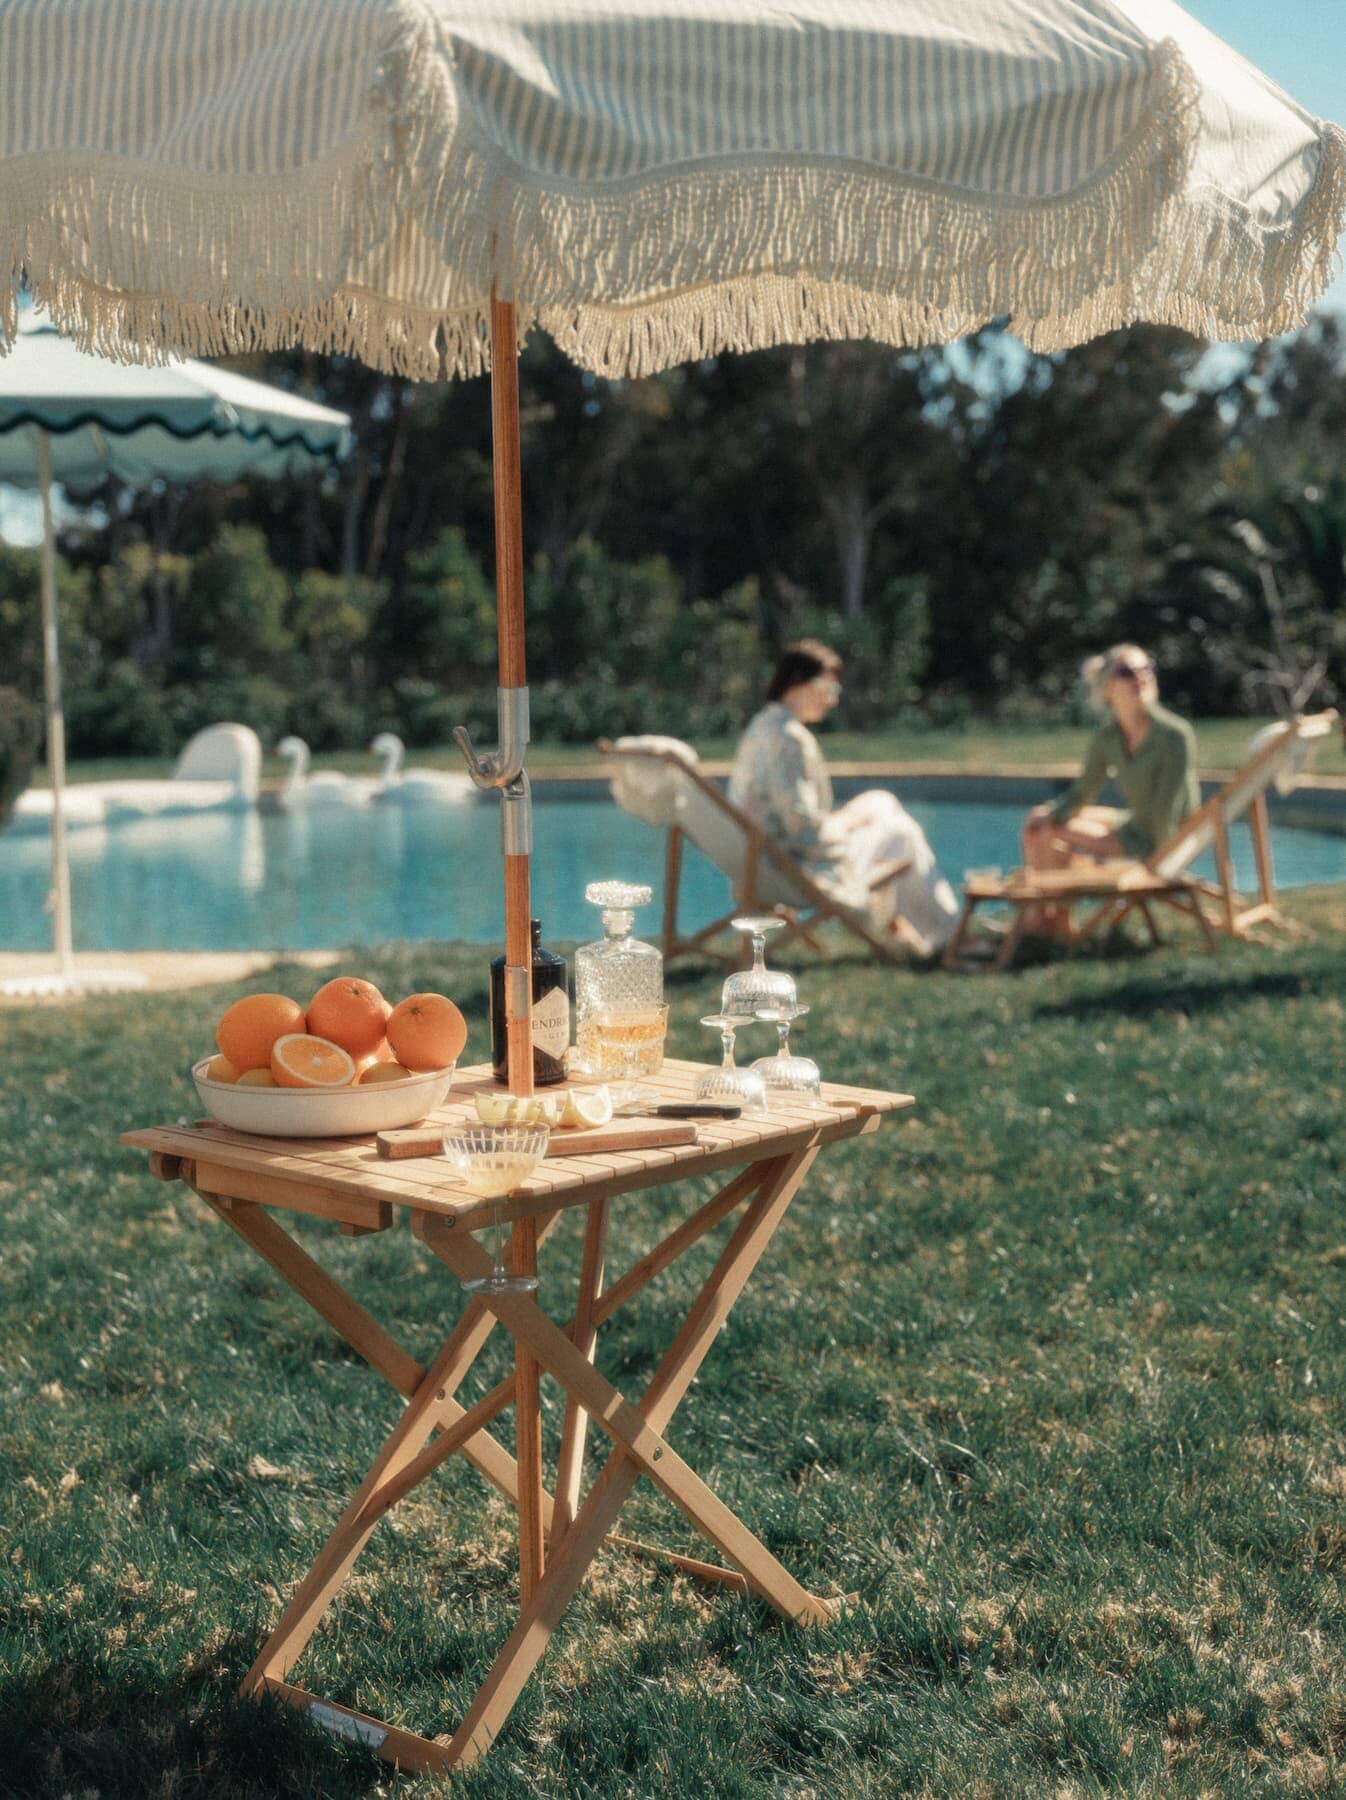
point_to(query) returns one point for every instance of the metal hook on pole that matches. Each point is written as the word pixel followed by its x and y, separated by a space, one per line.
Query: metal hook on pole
pixel 500 767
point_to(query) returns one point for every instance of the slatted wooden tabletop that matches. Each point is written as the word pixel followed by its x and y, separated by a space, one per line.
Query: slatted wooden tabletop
pixel 346 1179
pixel 1029 885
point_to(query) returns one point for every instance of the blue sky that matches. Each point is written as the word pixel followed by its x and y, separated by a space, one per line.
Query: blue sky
pixel 1301 44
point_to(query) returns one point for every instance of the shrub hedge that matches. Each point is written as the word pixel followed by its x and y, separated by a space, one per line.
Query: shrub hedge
pixel 20 734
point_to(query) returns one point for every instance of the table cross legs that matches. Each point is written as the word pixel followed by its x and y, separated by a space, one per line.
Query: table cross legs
pixel 577 1530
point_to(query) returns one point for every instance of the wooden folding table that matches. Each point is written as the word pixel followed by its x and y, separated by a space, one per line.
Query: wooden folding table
pixel 245 1179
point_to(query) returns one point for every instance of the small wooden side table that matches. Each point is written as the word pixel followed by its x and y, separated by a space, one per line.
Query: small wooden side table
pixel 1119 889
pixel 244 1180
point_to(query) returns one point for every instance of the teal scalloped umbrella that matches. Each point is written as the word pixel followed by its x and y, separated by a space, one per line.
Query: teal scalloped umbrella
pixel 73 418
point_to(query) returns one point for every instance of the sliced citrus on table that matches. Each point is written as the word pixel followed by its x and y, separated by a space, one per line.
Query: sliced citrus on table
pixel 589 1107
pixel 301 1060
pixel 519 1109
pixel 495 1109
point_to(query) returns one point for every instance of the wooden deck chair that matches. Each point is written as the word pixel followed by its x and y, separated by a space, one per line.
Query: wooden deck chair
pixel 672 792
pixel 1164 877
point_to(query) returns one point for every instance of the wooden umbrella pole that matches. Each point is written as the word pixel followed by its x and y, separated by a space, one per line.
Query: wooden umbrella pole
pixel 508 494
pixel 514 686
pixel 517 836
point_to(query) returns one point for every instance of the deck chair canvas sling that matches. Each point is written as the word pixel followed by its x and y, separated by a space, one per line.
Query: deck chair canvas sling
pixel 764 878
pixel 1165 877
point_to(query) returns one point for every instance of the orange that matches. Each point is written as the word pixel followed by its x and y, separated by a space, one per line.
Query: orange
pixel 257 1078
pixel 219 1068
pixel 383 1071
pixel 382 1055
pixel 349 1012
pixel 426 1031
pixel 251 1026
pixel 301 1060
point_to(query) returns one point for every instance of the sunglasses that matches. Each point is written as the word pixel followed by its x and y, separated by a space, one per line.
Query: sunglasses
pixel 1125 672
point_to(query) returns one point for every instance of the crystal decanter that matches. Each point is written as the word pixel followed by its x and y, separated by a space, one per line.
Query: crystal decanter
pixel 618 975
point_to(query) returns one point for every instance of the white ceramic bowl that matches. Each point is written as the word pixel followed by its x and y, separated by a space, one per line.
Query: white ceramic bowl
pixel 322 1112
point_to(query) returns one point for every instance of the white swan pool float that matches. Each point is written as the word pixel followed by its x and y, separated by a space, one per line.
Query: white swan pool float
pixel 416 787
pixel 220 767
pixel 325 787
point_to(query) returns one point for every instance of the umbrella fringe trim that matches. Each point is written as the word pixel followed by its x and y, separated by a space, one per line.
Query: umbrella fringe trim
pixel 1295 266
pixel 816 247
pixel 74 225
pixel 808 249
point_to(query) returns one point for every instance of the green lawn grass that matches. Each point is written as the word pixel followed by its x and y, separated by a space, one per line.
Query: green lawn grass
pixel 1050 1372
pixel 1221 744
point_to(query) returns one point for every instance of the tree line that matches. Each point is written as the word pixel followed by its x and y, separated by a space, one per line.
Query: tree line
pixel 963 523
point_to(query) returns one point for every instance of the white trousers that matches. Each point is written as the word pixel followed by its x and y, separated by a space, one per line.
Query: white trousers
pixel 873 829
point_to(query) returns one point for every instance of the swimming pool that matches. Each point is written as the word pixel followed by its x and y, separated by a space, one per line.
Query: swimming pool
pixel 306 880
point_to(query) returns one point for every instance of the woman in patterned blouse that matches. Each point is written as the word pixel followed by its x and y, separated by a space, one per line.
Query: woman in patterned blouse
pixel 780 781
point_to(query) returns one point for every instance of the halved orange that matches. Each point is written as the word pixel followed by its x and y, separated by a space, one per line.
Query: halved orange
pixel 301 1060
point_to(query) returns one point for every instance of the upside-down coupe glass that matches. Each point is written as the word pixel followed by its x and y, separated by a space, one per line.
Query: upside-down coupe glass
pixel 729 1084
pixel 786 1073
pixel 747 990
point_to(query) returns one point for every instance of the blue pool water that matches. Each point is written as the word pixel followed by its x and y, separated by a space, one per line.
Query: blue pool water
pixel 295 881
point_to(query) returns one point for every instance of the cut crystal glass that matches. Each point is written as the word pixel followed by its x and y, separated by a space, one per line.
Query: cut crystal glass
pixel 786 1073
pixel 492 1161
pixel 748 990
pixel 729 1084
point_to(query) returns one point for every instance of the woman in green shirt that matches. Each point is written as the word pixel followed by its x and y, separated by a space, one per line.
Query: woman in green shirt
pixel 1146 750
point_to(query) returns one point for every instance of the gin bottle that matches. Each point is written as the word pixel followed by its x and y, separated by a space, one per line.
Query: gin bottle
pixel 551 1015
pixel 617 973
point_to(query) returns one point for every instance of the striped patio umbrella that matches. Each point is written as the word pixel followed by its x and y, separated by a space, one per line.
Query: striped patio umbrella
pixel 73 418
pixel 420 182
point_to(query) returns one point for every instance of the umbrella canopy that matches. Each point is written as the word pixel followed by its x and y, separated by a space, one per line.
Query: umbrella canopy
pixel 175 421
pixel 652 181
pixel 418 182
pixel 71 417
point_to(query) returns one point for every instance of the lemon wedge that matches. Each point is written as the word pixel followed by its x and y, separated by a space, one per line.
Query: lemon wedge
pixel 495 1109
pixel 514 1109
pixel 587 1107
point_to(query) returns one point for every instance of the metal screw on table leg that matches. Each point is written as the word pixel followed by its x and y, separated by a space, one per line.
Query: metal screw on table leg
pixel 656 1454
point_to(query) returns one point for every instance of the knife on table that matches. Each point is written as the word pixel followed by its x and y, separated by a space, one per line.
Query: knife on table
pixel 677 1109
